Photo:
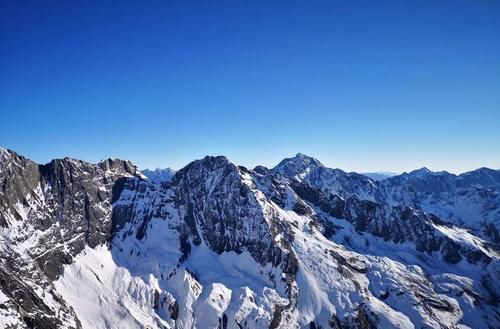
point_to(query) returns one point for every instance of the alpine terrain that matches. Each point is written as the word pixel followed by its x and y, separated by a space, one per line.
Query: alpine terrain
pixel 217 245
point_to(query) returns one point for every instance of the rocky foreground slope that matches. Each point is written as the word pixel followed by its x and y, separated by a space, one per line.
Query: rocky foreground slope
pixel 222 246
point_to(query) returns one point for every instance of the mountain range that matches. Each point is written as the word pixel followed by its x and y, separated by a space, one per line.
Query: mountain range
pixel 159 175
pixel 217 245
pixel 379 175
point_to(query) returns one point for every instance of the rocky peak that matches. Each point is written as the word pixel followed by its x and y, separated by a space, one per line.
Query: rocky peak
pixel 4 153
pixel 484 177
pixel 422 172
pixel 425 173
pixel 66 203
pixel 297 166
pixel 427 180
pixel 10 159
pixel 261 170
pixel 423 180
pixel 220 208
pixel 118 166
pixel 207 165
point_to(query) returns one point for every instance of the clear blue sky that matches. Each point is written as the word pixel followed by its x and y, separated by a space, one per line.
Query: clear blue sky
pixel 361 85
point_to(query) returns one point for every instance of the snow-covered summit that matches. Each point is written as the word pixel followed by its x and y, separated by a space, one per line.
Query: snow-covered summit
pixel 159 175
pixel 420 173
pixel 484 177
pixel 3 152
pixel 297 166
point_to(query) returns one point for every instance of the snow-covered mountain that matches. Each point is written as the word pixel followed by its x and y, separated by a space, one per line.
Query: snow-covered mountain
pixel 223 246
pixel 469 200
pixel 379 175
pixel 159 175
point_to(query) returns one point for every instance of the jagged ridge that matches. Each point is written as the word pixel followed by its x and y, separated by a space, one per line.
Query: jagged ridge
pixel 220 245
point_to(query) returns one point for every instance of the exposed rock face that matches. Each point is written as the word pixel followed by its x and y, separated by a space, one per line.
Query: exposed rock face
pixel 297 166
pixel 61 206
pixel 217 205
pixel 397 224
pixel 470 200
pixel 48 214
pixel 218 245
pixel 28 294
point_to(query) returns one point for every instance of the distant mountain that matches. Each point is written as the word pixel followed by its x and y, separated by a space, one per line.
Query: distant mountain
pixel 159 175
pixel 470 199
pixel 218 245
pixel 379 175
pixel 298 165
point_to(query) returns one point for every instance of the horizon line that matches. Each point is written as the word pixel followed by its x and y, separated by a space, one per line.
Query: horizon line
pixel 383 172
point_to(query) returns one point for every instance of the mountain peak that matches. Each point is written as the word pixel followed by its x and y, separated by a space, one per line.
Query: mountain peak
pixel 420 173
pixel 209 163
pixel 482 176
pixel 297 165
pixel 159 175
pixel 119 166
pixel 482 170
pixel 4 153
pixel 215 159
pixel 306 157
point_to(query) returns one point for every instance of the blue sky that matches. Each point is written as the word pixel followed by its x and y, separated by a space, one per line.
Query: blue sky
pixel 361 85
